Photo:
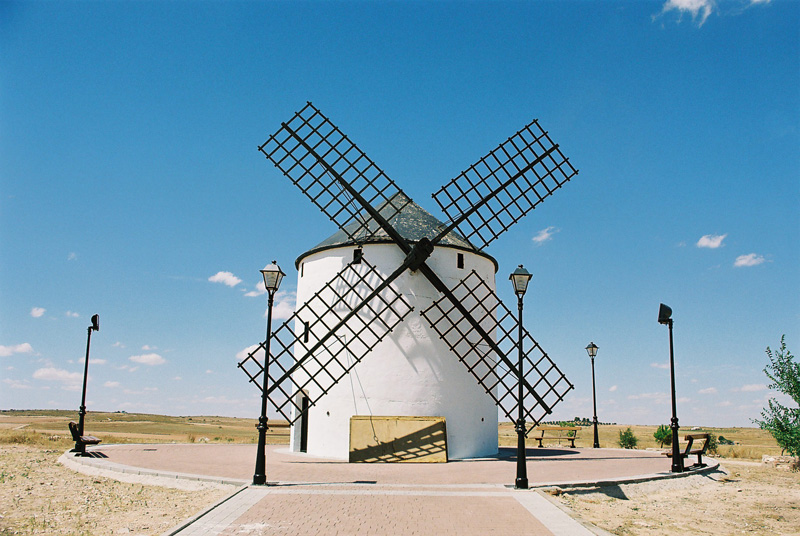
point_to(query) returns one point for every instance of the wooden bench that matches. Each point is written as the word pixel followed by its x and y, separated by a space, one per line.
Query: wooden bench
pixel 556 432
pixel 81 441
pixel 689 451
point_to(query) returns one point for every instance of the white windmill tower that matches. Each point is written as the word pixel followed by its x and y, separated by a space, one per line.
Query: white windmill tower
pixel 396 313
pixel 412 371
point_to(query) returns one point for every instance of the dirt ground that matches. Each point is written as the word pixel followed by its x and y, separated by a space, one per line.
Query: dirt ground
pixel 38 495
pixel 745 498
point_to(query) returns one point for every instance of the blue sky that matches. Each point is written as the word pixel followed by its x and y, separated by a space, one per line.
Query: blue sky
pixel 130 179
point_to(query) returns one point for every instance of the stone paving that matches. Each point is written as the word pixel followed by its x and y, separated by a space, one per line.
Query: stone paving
pixel 308 495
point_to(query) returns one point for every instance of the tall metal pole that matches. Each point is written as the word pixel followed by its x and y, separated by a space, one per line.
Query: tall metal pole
pixel 80 447
pixel 594 403
pixel 522 468
pixel 260 476
pixel 677 459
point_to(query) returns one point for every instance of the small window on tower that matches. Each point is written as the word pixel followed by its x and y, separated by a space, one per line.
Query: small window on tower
pixel 305 331
pixel 358 254
pixel 302 265
pixel 461 260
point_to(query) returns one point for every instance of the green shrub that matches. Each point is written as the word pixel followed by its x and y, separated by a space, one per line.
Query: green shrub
pixel 663 435
pixel 781 421
pixel 712 444
pixel 569 424
pixel 627 440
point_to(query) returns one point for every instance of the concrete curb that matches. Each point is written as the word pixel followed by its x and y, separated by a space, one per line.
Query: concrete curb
pixel 187 522
pixel 629 480
pixel 73 462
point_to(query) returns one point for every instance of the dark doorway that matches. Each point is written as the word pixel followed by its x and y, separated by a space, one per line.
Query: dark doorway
pixel 304 425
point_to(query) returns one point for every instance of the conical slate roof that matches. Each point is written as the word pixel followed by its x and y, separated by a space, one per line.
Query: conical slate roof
pixel 412 222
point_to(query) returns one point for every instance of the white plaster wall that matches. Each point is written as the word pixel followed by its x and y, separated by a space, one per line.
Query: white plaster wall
pixel 411 372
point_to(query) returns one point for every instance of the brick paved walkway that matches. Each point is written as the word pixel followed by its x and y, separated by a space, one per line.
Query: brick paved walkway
pixel 298 510
pixel 315 496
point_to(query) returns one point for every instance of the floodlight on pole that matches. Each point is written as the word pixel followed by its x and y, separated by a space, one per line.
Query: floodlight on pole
pixel 520 278
pixel 592 351
pixel 272 281
pixel 665 317
pixel 80 447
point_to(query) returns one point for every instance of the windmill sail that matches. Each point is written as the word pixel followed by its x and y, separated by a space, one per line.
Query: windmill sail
pixel 332 172
pixel 493 194
pixel 327 336
pixel 544 386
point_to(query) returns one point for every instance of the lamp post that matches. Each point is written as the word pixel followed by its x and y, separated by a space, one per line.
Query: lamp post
pixel 80 447
pixel 665 317
pixel 272 280
pixel 520 279
pixel 592 350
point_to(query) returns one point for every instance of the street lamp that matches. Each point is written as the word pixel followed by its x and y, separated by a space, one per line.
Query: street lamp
pixel 665 317
pixel 80 447
pixel 272 280
pixel 592 350
pixel 520 279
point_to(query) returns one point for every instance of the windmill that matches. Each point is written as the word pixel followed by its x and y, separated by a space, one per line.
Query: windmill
pixel 352 313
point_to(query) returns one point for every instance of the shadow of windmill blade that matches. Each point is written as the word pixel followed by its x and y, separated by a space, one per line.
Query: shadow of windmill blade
pixel 327 336
pixel 544 385
pixel 498 190
pixel 332 172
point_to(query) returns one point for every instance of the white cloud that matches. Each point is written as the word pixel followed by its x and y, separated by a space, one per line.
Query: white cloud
pixel 209 371
pixel 72 314
pixel 16 384
pixel 751 259
pixel 708 391
pixel 71 380
pixel 544 235
pixel 37 312
pixel 93 361
pixel 753 387
pixel 660 365
pixel 244 353
pixel 72 256
pixel 258 290
pixel 226 278
pixel 711 241
pixel 111 384
pixel 610 390
pixel 684 400
pixel 148 359
pixel 147 347
pixel 700 9
pixel 648 396
pixel 284 305
pixel 177 378
pixel 24 348
pixel 724 404
pixel 118 345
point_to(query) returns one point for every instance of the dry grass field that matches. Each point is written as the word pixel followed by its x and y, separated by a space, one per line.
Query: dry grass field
pixel 40 496
pixel 749 443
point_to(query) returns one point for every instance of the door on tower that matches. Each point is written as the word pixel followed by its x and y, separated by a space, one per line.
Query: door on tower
pixel 304 424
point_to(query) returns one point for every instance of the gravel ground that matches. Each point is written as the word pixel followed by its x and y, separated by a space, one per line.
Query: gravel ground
pixel 38 495
pixel 745 498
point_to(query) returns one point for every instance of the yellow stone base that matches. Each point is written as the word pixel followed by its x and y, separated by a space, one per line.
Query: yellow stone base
pixel 398 439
